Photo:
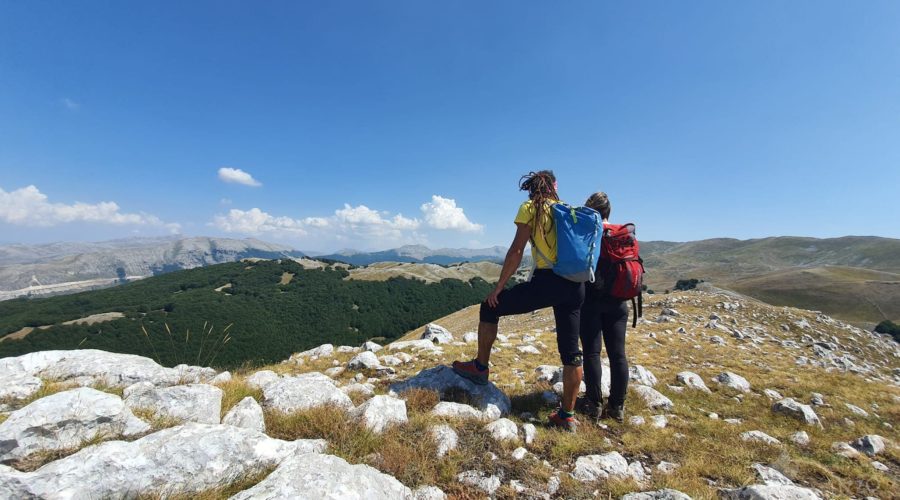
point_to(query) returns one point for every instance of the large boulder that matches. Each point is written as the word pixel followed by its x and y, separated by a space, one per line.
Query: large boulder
pixel 200 403
pixel 179 461
pixel 66 420
pixel 607 466
pixel 381 412
pixel 437 334
pixel 318 477
pixel 796 410
pixel 247 414
pixel 366 360
pixel 442 379
pixel 870 444
pixel 18 385
pixel 309 390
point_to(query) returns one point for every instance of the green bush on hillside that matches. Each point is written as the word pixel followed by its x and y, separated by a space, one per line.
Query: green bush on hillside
pixel 888 327
pixel 689 284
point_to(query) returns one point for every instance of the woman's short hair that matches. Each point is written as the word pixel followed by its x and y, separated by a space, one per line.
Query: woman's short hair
pixel 599 202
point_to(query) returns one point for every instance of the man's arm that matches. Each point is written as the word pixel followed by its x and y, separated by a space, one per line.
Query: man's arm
pixel 512 260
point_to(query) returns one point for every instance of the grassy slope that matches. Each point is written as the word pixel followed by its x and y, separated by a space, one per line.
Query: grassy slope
pixel 710 451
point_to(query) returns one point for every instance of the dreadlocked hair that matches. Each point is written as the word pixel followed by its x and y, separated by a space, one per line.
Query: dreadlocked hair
pixel 541 189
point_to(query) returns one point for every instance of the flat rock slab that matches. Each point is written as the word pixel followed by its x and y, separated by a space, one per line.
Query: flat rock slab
pixel 607 466
pixel 200 403
pixel 442 379
pixel 303 392
pixel 181 460
pixel 315 477
pixel 66 420
pixel 19 385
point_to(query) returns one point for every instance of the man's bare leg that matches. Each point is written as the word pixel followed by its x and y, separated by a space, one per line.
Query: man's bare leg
pixel 487 334
pixel 572 376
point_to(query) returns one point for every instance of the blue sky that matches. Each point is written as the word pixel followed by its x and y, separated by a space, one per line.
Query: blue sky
pixel 374 124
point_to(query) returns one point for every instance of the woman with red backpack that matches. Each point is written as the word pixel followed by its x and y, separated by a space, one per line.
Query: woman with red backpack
pixel 604 314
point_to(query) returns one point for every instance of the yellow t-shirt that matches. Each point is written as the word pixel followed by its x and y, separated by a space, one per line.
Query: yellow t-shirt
pixel 546 243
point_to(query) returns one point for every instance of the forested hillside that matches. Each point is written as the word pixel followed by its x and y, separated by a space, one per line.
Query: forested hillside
pixel 274 308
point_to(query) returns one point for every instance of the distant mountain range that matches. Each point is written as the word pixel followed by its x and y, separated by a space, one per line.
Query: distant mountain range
pixel 69 267
pixel 419 254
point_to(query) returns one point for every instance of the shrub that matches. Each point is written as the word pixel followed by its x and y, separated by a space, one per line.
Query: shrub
pixel 888 327
pixel 688 284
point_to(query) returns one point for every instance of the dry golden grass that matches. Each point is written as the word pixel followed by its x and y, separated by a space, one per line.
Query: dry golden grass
pixel 157 422
pixel 222 493
pixel 236 390
pixel 35 461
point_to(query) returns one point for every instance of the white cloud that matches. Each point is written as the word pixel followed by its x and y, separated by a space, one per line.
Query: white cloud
pixel 237 176
pixel 359 225
pixel 442 213
pixel 70 104
pixel 29 207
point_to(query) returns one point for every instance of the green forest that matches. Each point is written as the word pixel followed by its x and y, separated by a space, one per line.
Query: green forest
pixel 181 318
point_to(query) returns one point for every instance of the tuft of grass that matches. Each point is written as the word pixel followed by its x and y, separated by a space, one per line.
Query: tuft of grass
pixel 157 422
pixel 346 437
pixel 420 400
pixel 3 417
pixel 236 390
pixel 36 460
pixel 222 493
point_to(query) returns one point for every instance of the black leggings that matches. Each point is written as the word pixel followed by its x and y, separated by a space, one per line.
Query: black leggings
pixel 604 318
pixel 545 289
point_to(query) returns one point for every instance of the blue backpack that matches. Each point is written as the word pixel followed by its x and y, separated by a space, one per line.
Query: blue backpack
pixel 578 232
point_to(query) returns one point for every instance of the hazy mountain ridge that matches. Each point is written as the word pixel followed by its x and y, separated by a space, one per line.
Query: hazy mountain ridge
pixel 54 263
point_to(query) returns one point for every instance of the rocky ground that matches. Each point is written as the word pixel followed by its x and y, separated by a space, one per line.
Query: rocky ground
pixel 728 398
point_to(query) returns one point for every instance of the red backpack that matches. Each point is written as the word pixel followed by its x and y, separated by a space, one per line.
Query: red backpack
pixel 620 269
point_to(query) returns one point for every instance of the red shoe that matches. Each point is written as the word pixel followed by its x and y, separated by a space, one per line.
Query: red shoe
pixel 567 424
pixel 468 371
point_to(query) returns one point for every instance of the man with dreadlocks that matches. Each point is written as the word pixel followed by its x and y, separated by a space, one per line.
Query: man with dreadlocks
pixel 534 223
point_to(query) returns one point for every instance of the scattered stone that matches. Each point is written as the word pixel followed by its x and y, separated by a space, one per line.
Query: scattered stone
pixel 817 399
pixel 66 420
pixel 880 466
pixel 856 410
pixel 664 494
pixel 313 475
pixel 770 476
pixel 179 461
pixel 796 410
pixel 458 410
pixel 692 381
pixel 870 444
pixel 528 349
pixel 844 449
pixel 334 372
pixel 415 345
pixel 715 339
pixel 653 399
pixel 530 432
pixel 366 360
pixel 442 379
pixel 519 453
pixel 445 437
pixel 800 438
pixel 667 467
pixel 247 414
pixel 637 420
pixel 302 392
pixel 770 492
pixel 773 394
pixel 200 403
pixel 479 480
pixel 733 421
pixel 323 351
pixel 371 346
pixel 659 421
pixel 437 334
pixel 221 378
pixel 470 337
pixel 607 466
pixel 759 436
pixel 364 389
pixel 345 349
pixel 733 381
pixel 640 375
pixel 503 429
pixel 381 412
pixel 548 373
pixel 429 493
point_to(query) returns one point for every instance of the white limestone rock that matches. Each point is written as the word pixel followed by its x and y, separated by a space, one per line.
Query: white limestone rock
pixel 182 460
pixel 530 432
pixel 364 389
pixel 445 437
pixel 381 412
pixel 773 394
pixel 89 367
pixel 18 385
pixel 607 466
pixel 733 381
pixel 470 337
pixel 769 475
pixel 528 349
pixel 503 429
pixel 519 453
pixel 856 410
pixel 479 480
pixel 759 436
pixel 640 375
pixel 870 444
pixel 262 378
pixel 442 379
pixel 366 360
pixel 429 493
pixel 796 410
pixel 844 449
pixel 313 476
pixel 800 438
pixel 667 467
pixel 415 345
pixel 200 403
pixel 221 378
pixel 771 492
pixel 664 494
pixel 66 420
pixel 692 381
pixel 247 414
pixel 371 346
pixel 653 398
pixel 659 421
pixel 323 351
pixel 450 409
pixel 437 334
pixel 549 373
pixel 302 392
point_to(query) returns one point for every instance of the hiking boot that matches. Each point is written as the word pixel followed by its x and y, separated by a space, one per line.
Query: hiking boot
pixel 616 413
pixel 468 371
pixel 566 424
pixel 588 408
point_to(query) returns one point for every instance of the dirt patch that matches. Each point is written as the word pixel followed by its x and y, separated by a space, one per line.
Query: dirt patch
pixel 223 287
pixel 95 318
pixel 21 334
pixel 286 278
